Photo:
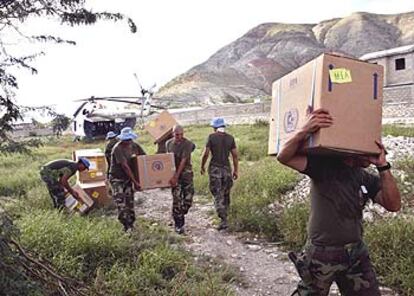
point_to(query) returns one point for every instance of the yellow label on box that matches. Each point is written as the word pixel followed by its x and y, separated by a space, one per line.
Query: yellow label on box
pixel 92 175
pixel 95 194
pixel 340 75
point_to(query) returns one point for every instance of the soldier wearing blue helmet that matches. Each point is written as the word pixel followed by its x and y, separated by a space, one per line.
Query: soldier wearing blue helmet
pixel 56 175
pixel 122 178
pixel 220 144
pixel 112 140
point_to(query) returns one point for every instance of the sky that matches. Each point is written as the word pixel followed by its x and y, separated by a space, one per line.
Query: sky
pixel 173 36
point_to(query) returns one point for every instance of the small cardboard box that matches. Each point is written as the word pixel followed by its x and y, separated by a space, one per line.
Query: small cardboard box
pixel 98 192
pixel 97 170
pixel 350 89
pixel 161 125
pixel 82 206
pixel 155 171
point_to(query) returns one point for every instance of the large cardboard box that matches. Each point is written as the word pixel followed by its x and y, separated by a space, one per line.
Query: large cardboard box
pixel 98 192
pixel 82 206
pixel 155 171
pixel 161 126
pixel 97 170
pixel 350 89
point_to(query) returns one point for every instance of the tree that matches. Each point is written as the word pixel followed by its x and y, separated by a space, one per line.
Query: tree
pixel 59 124
pixel 18 268
pixel 14 13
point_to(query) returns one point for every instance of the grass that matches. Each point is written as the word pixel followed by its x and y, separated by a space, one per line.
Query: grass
pixel 261 184
pixel 391 249
pixel 152 261
pixel 97 251
pixel 397 130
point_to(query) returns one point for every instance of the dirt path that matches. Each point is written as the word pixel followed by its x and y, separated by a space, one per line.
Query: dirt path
pixel 265 269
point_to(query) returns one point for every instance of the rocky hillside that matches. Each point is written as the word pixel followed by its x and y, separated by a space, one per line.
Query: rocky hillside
pixel 246 68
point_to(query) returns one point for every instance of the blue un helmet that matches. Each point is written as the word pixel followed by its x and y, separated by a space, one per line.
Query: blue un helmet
pixel 127 134
pixel 85 162
pixel 217 122
pixel 110 135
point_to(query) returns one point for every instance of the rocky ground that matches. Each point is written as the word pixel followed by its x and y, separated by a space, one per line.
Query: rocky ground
pixel 264 267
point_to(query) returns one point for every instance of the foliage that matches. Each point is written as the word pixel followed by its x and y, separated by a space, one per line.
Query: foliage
pixel 23 274
pixel 391 243
pixel 59 124
pixel 13 13
pixel 293 223
pixel 397 130
pixel 96 250
pixel 261 185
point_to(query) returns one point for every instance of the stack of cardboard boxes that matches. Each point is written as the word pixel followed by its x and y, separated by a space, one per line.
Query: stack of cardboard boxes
pixel 350 89
pixel 91 184
pixel 155 171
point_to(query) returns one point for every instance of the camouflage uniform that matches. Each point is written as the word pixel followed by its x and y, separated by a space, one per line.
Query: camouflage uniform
pixel 335 251
pixel 221 181
pixel 123 196
pixel 182 197
pixel 348 266
pixel 52 176
pixel 121 185
pixel 184 191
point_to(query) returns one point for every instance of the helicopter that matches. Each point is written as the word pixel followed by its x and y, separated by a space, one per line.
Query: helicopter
pixel 93 119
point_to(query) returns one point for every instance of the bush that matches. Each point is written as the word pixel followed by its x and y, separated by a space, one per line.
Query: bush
pixel 391 249
pixel 97 251
pixel 406 179
pixel 293 223
pixel 397 130
pixel 260 185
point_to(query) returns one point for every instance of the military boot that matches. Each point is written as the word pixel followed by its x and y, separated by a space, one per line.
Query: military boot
pixel 223 224
pixel 179 225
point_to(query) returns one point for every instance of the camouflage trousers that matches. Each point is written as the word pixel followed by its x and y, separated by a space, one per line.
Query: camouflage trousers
pixel 123 196
pixel 349 266
pixel 221 181
pixel 183 195
pixel 56 190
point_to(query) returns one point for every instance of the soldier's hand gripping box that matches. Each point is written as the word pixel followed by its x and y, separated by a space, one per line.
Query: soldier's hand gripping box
pixel 83 205
pixel 155 171
pixel 350 89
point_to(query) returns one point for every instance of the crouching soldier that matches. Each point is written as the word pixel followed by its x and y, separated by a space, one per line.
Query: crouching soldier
pixel 56 175
pixel 121 176
pixel 182 181
pixel 220 144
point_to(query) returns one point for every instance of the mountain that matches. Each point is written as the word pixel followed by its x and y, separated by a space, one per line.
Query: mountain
pixel 246 68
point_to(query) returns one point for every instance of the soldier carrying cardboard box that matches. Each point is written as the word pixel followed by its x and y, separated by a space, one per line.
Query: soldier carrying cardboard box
pixel 121 176
pixel 182 181
pixel 56 175
pixel 340 188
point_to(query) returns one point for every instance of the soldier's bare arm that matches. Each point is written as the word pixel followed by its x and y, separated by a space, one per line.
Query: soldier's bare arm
pixel 289 153
pixel 389 195
pixel 64 181
pixel 179 170
pixel 204 159
pixel 129 173
pixel 235 156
